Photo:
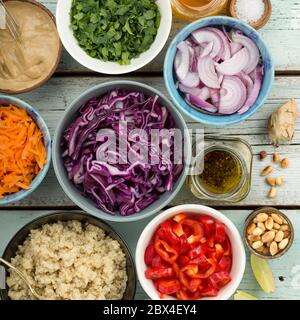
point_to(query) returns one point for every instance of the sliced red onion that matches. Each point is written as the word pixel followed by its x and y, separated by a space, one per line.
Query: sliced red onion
pixel 204 93
pixel 235 47
pixel 193 91
pixel 177 60
pixel 234 65
pixel 233 95
pixel 230 85
pixel 192 80
pixel 226 34
pixel 226 54
pixel 198 51
pixel 252 50
pixel 197 102
pixel 215 96
pixel 220 78
pixel 248 82
pixel 203 36
pixel 207 72
pixel 207 50
pixel 193 58
pixel 255 91
pixel 184 61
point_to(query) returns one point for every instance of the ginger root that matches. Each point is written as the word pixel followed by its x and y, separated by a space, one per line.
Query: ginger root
pixel 282 123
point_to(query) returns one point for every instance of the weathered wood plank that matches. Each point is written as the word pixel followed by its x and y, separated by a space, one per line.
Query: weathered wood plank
pixel 281 35
pixel 52 99
pixel 285 270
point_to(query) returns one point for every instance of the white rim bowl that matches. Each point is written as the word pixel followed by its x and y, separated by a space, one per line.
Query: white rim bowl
pixel 238 251
pixel 63 22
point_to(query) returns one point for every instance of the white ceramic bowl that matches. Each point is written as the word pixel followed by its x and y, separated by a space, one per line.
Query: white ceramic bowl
pixel 63 22
pixel 238 251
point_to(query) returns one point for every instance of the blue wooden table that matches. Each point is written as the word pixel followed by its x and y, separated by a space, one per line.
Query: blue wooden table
pixel 282 34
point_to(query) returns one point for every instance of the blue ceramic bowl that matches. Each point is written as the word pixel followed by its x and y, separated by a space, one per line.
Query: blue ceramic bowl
pixel 170 78
pixel 5 100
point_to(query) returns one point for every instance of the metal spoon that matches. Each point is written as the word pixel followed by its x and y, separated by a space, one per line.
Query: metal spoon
pixel 21 275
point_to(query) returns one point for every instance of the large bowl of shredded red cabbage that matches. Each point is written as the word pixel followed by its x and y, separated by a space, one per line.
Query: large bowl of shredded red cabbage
pixel 120 190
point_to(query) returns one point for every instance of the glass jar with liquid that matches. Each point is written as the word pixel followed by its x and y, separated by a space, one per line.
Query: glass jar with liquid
pixel 196 9
pixel 222 170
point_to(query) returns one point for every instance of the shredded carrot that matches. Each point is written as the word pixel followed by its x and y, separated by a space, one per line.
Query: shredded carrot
pixel 22 150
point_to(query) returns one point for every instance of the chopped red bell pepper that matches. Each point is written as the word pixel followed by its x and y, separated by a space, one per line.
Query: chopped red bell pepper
pixel 189 258
pixel 169 286
pixel 193 271
pixel 195 285
pixel 183 260
pixel 227 246
pixel 196 228
pixel 209 225
pixel 219 252
pixel 157 261
pixel 179 217
pixel 201 261
pixel 165 233
pixel 220 232
pixel 157 273
pixel 225 264
pixel 209 292
pixel 176 269
pixel 210 242
pixel 197 251
pixel 219 279
pixel 184 245
pixel 183 278
pixel 184 295
pixel 149 254
pixel 166 252
pixel 190 284
pixel 178 230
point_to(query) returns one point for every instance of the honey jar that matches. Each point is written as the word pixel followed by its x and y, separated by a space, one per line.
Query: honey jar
pixel 195 9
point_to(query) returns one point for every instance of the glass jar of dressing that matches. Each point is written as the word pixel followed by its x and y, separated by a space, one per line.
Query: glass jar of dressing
pixel 196 9
pixel 226 169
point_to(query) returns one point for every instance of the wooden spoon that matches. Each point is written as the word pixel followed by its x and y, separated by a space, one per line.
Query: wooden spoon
pixel 259 23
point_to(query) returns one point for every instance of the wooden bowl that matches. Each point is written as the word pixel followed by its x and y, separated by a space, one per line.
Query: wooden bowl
pixel 268 210
pixel 259 23
pixel 59 54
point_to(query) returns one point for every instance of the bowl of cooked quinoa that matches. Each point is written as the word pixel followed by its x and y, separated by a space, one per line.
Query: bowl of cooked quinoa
pixel 69 256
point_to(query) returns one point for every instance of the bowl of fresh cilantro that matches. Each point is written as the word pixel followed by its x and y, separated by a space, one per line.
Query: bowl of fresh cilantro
pixel 114 36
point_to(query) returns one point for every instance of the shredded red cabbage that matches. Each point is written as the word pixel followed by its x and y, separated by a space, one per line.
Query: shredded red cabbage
pixel 126 188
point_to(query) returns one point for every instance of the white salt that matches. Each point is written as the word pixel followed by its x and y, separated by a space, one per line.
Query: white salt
pixel 250 10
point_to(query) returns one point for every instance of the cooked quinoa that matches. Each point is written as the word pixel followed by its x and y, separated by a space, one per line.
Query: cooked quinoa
pixel 69 261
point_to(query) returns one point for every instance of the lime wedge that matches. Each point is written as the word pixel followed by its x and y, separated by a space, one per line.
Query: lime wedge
pixel 263 274
pixel 241 295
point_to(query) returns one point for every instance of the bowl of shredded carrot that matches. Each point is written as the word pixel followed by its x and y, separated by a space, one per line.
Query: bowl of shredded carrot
pixel 25 149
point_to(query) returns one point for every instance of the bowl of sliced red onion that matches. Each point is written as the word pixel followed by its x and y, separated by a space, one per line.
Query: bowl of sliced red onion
pixel 218 71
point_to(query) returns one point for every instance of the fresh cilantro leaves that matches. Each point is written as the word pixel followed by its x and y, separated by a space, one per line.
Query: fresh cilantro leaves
pixel 115 30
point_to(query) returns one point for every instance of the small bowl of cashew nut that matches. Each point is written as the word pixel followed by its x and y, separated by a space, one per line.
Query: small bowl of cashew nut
pixel 268 233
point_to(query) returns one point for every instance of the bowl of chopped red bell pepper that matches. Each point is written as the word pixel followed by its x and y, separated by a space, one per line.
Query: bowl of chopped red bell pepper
pixel 190 252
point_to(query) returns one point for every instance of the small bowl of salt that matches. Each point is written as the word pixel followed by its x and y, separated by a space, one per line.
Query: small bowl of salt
pixel 254 12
